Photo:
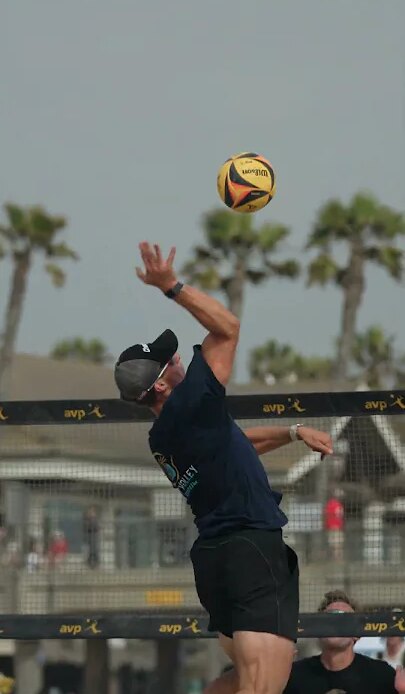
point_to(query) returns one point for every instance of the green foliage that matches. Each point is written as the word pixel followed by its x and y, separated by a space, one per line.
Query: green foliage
pixel 322 270
pixel 77 348
pixel 364 222
pixel 27 231
pixel 374 352
pixel 236 253
pixel 369 231
pixel 282 361
pixel 32 229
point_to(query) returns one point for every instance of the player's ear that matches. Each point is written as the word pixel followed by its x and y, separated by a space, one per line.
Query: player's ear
pixel 160 386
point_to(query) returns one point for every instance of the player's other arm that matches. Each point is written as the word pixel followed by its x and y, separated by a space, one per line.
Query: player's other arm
pixel 219 346
pixel 266 439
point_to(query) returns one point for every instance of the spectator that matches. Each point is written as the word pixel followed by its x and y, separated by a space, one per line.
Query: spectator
pixel 33 555
pixel 91 528
pixel 58 548
pixel 338 670
pixel 12 555
pixel 334 525
pixel 394 651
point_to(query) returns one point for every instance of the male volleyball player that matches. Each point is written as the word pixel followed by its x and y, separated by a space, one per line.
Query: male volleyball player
pixel 246 577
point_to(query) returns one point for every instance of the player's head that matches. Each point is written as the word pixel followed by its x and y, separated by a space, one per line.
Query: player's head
pixel 337 602
pixel 147 373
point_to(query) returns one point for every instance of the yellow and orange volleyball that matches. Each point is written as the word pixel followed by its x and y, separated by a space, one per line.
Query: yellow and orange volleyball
pixel 246 182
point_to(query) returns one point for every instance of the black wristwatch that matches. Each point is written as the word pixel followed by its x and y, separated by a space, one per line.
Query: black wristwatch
pixel 172 293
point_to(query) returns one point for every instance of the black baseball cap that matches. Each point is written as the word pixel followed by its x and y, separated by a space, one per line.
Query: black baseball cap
pixel 139 366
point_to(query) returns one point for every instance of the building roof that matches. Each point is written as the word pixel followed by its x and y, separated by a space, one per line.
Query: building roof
pixel 42 378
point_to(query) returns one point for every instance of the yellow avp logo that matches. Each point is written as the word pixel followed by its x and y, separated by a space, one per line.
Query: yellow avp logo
pixel 279 408
pixel 397 401
pixel 90 626
pixel 78 415
pixel 381 627
pixel 174 629
pixel 3 416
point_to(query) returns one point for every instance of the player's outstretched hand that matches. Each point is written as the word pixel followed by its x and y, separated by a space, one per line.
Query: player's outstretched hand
pixel 316 440
pixel 400 680
pixel 158 271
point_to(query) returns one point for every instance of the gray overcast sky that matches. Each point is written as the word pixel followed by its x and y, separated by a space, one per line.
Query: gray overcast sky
pixel 118 113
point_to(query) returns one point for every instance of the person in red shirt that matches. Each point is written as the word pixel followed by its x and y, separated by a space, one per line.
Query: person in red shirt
pixel 334 525
pixel 58 548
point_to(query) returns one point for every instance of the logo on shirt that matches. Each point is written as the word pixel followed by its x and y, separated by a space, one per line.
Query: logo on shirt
pixel 185 482
pixel 168 468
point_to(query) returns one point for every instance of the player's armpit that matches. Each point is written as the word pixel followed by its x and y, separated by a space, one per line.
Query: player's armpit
pixel 219 353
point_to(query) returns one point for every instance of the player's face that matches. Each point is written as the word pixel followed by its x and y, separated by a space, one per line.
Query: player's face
pixel 337 643
pixel 175 372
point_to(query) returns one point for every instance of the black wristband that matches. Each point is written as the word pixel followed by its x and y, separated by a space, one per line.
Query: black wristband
pixel 172 293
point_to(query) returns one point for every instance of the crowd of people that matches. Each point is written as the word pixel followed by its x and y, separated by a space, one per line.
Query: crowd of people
pixel 52 552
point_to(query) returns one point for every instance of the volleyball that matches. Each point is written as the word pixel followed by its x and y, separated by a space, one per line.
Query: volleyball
pixel 246 182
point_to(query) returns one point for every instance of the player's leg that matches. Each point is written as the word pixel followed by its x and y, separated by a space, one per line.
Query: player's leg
pixel 262 586
pixel 209 585
pixel 263 662
pixel 228 682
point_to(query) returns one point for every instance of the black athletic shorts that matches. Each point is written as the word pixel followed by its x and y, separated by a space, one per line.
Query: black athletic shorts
pixel 248 581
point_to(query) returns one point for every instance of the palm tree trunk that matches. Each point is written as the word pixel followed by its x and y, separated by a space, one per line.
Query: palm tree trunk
pixel 13 317
pixel 234 292
pixel 353 287
pixel 235 289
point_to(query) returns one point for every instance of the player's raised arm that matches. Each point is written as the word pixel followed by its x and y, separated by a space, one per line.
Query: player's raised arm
pixel 219 346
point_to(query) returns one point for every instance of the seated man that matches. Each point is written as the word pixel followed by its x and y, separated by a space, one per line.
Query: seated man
pixel 338 669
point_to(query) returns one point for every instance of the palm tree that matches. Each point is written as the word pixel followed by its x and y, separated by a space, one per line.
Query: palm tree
pixel 93 350
pixel 374 353
pixel 281 361
pixel 369 231
pixel 27 231
pixel 235 253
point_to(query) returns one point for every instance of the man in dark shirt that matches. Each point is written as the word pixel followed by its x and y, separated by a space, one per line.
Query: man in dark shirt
pixel 246 577
pixel 338 669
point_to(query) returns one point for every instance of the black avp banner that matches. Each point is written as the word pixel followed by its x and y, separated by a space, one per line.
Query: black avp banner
pixel 169 626
pixel 362 403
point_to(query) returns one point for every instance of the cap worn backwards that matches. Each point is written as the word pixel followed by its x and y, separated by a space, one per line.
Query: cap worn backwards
pixel 139 366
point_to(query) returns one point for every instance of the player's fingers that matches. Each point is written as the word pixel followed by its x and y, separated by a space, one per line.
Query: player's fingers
pixel 323 448
pixel 140 274
pixel 146 254
pixel 171 256
pixel 158 253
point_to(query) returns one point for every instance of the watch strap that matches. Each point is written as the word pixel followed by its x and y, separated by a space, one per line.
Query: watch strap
pixel 174 291
pixel 294 431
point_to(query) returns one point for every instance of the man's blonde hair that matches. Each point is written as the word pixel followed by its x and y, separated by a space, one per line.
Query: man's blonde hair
pixel 336 596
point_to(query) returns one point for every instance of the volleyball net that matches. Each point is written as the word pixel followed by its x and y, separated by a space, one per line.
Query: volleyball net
pixel 94 541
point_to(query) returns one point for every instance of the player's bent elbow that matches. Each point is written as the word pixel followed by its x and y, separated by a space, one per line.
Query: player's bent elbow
pixel 234 328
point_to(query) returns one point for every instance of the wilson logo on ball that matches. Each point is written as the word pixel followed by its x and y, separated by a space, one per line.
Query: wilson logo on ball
pixel 256 172
pixel 246 182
